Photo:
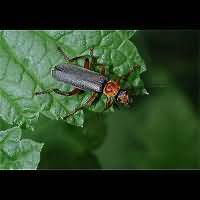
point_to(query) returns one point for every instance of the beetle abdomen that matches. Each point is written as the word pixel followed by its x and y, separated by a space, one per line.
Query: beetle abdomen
pixel 79 77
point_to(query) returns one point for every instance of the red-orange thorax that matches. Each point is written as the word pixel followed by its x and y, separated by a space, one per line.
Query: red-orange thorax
pixel 111 88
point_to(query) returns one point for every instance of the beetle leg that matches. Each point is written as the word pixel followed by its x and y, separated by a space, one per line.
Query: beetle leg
pixel 77 58
pixel 57 91
pixel 75 91
pixel 67 59
pixel 109 103
pixel 125 77
pixel 63 54
pixel 86 57
pixel 89 101
pixel 102 69
pixel 86 64
pixel 94 60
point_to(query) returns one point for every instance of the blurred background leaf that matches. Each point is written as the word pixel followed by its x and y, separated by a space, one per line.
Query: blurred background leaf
pixel 160 133
pixel 67 146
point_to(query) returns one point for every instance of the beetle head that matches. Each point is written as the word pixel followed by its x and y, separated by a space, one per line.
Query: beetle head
pixel 122 97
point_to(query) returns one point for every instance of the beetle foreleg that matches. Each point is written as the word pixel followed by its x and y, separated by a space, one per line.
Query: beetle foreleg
pixel 89 101
pixel 109 103
pixel 125 77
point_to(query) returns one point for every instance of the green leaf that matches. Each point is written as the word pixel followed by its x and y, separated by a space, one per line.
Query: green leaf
pixel 16 153
pixel 26 60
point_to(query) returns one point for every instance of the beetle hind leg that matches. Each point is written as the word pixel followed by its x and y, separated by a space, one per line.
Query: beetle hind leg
pixel 57 91
pixel 63 54
pixel 89 102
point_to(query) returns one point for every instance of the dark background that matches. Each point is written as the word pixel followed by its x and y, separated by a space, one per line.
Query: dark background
pixel 160 132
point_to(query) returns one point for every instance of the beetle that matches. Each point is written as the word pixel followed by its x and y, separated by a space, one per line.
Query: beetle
pixel 85 80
